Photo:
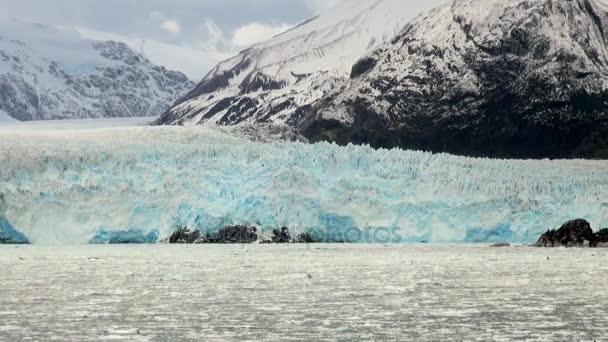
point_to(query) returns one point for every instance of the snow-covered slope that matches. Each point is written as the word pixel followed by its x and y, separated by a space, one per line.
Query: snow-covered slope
pixel 276 81
pixel 513 78
pixel 69 184
pixel 46 73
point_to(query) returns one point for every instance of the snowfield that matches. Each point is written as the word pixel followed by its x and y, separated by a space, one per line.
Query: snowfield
pixel 67 182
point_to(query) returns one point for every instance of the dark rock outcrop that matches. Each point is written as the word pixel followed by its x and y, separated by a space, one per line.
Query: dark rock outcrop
pixel 305 238
pixel 186 236
pixel 236 234
pixel 601 238
pixel 602 235
pixel 226 235
pixel 362 66
pixel 572 233
pixel 281 235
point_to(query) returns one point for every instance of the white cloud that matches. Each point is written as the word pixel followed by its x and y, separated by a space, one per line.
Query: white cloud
pixel 321 5
pixel 215 35
pixel 255 32
pixel 167 24
pixel 172 26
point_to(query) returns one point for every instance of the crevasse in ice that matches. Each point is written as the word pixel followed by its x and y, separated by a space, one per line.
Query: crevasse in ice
pixel 92 185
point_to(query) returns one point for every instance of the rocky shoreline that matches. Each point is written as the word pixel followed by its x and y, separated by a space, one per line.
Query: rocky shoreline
pixel 575 233
pixel 237 234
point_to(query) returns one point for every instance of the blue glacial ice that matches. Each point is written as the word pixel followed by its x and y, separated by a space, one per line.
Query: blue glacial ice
pixel 69 185
pixel 113 236
pixel 8 233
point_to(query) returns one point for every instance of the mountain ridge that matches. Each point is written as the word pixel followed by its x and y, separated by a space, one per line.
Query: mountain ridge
pixel 48 73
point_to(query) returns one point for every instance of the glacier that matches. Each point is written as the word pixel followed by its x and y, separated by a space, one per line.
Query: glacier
pixel 75 183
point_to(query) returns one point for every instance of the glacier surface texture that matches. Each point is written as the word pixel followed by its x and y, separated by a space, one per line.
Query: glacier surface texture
pixel 74 184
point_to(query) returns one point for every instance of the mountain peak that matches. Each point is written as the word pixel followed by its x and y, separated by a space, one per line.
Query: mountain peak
pixel 119 51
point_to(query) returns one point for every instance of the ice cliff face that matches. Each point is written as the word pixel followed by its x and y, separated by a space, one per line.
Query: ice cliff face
pixel 278 80
pixel 80 185
pixel 508 78
pixel 46 73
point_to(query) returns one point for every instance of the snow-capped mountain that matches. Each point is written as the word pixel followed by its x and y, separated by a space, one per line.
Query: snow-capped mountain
pixel 278 80
pixel 511 78
pixel 49 73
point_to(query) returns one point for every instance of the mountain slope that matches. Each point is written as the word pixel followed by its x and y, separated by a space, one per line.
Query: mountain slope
pixel 508 78
pixel 46 73
pixel 278 80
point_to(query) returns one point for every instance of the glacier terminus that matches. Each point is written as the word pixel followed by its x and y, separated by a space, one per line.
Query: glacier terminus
pixel 76 182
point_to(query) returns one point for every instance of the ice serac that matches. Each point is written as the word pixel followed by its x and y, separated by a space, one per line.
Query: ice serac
pixel 136 183
pixel 503 78
pixel 276 82
pixel 49 73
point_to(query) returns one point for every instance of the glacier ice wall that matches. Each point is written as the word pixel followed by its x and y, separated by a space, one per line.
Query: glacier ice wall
pixel 72 185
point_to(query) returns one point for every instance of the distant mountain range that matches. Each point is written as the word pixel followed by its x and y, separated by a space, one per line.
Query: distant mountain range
pixel 499 78
pixel 48 73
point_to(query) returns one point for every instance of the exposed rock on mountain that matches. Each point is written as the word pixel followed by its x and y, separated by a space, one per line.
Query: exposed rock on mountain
pixel 501 78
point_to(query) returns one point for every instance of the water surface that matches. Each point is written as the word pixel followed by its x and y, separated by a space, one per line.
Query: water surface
pixel 302 292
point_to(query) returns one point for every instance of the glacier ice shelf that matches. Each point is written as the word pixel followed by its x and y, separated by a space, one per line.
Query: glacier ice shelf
pixel 75 184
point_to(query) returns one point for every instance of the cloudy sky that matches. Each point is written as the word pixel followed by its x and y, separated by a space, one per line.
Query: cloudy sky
pixel 186 35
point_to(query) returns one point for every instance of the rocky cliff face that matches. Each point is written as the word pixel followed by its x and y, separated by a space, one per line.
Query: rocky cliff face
pixel 47 73
pixel 500 78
